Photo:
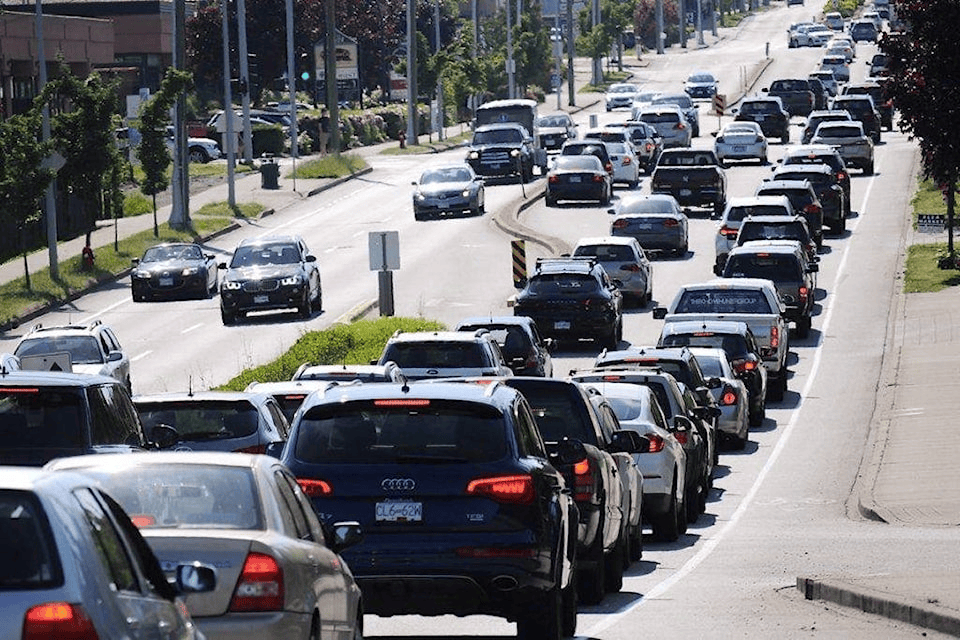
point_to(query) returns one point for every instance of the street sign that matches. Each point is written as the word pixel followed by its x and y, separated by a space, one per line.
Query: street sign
pixel 384 249
pixel 719 103
pixel 554 80
pixel 931 222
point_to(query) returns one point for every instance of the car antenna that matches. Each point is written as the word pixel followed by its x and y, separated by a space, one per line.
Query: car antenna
pixel 190 385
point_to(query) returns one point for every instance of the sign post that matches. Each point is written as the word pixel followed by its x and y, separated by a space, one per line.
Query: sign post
pixel 719 106
pixel 384 249
pixel 518 250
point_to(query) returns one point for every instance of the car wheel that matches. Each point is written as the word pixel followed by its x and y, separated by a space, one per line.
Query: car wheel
pixel 568 602
pixel 418 216
pixel 541 619
pixel 704 494
pixel 137 297
pixel 550 201
pixel 803 327
pixel 740 442
pixel 612 340
pixel 228 317
pixel 198 155
pixel 613 572
pixel 785 137
pixel 634 184
pixel 692 500
pixel 605 197
pixel 718 208
pixel 682 251
pixel 591 583
pixel 757 412
pixel 666 526
pixel 776 391
pixel 636 543
pixel 306 306
pixel 868 170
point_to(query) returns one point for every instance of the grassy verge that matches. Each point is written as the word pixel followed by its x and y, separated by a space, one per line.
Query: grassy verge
pixel 355 343
pixel 223 209
pixel 197 170
pixel 927 199
pixel 922 274
pixel 331 166
pixel 429 147
pixel 16 299
pixel 609 77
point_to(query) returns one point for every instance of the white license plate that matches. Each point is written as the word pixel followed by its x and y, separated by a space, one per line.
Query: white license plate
pixel 646 226
pixel 739 147
pixel 261 299
pixel 574 178
pixel 760 118
pixel 399 511
pixel 166 282
pixel 685 192
pixel 444 205
pixel 561 325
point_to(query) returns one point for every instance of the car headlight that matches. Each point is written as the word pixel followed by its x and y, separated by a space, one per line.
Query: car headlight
pixel 143 275
pixel 465 193
pixel 189 271
pixel 291 281
pixel 420 197
pixel 474 155
pixel 230 285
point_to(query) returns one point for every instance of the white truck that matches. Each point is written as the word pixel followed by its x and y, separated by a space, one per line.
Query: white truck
pixel 748 300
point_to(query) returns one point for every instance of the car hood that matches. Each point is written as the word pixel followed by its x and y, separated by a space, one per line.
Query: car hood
pixel 264 272
pixel 168 265
pixel 442 187
pixel 551 131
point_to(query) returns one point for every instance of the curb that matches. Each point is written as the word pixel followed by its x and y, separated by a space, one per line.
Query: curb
pixel 338 181
pixel 870 601
pixel 357 312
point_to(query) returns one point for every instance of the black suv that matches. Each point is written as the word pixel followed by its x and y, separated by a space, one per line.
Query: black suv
pixel 861 108
pixel 572 298
pixel 804 200
pixel 463 510
pixel 504 149
pixel 828 189
pixel 881 101
pixel 769 113
pixel 821 154
pixel 525 351
pixel 46 415
pixel 270 273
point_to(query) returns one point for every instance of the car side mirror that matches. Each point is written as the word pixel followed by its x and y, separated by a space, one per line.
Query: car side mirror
pixel 114 356
pixel 221 265
pixel 813 268
pixel 345 535
pixel 570 451
pixel 659 313
pixel 274 449
pixel 414 183
pixel 163 436
pixel 550 344
pixel 612 211
pixel 713 383
pixel 209 256
pixel 628 441
pixel 195 577
pixel 682 423
pixel 310 258
pixel 135 261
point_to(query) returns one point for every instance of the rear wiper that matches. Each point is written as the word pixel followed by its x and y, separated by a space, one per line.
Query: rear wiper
pixel 422 457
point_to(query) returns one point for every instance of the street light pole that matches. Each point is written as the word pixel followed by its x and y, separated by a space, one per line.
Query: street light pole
pixel 245 81
pixel 50 202
pixel 411 73
pixel 436 20
pixel 228 111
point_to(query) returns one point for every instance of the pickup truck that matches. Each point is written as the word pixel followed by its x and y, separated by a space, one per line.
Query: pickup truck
pixel 796 94
pixel 564 412
pixel 752 301
pixel 693 177
pixel 505 149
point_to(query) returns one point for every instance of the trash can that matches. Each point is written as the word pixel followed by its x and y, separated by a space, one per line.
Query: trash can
pixel 269 173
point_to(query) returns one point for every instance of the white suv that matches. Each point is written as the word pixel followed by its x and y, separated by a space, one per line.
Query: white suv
pixel 445 354
pixel 81 348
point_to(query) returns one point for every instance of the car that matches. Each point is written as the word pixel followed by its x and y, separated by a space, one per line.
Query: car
pixel 861 108
pixel 882 103
pixel 655 221
pixel 646 141
pixel 290 394
pixel 172 270
pixel 408 462
pixel 270 273
pixel 445 354
pixel 878 65
pixel 280 573
pixel 8 363
pixel 741 141
pixel 199 150
pixel 691 112
pixel 802 197
pixel 850 139
pixel 694 177
pixel 769 113
pixel 624 261
pixel 740 345
pixel 669 122
pixel 573 299
pixel 778 227
pixel 874 17
pixel 262 117
pixel 663 465
pixel 620 95
pixel 864 31
pixel 447 190
pixel 93 348
pixel 581 177
pixel 786 264
pixel 828 80
pixel 76 567
pixel 700 84
pixel 731 396
pixel 641 100
pixel 821 95
pixel 555 129
pixel 503 149
pixel 51 414
pixel 821 154
pixel 386 372
pixel 840 48
pixel 238 421
pixel 606 538
pixel 596 148
pixel 833 20
pixel 736 210
pixel 816 117
pixel 525 350
pixel 838 65
pixel 828 190
pixel 626 165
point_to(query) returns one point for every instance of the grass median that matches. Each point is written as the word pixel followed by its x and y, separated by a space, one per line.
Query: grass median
pixel 922 272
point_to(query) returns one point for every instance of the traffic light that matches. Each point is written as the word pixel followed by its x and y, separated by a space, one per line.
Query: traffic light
pixel 304 74
pixel 253 74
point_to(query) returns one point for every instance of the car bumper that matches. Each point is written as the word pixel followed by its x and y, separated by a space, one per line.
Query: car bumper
pixel 282 298
pixel 692 197
pixel 567 325
pixel 172 287
pixel 740 151
pixel 584 191
pixel 656 241
pixel 444 205
pixel 255 625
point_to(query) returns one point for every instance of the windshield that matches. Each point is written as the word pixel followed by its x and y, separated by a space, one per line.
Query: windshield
pixel 454 174
pixel 32 418
pixel 578 163
pixel 161 254
pixel 767 231
pixel 265 255
pixel 394 430
pixel 607 252
pixel 202 420
pixel 722 301
pixel 562 283
pixel 749 108
pixel 553 121
pixel 82 349
pixel 734 345
pixel 435 355
pixel 497 136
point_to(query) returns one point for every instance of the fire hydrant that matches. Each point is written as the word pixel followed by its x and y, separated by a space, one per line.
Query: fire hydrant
pixel 403 139
pixel 86 258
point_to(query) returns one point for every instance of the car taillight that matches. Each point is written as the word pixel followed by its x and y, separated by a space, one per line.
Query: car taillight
pixel 811 208
pixel 670 223
pixel 680 125
pixel 620 224
pixel 584 484
pixel 803 292
pixel 649 146
pixel 774 337
pixel 728 397
pixel 626 161
pixel 730 234
pixel 259 448
pixel 58 621
pixel 743 365
pixel 598 178
pixel 315 488
pixel 681 436
pixel 260 586
pixel 633 267
pixel 841 176
pixel 656 444
pixel 608 167
pixel 505 489
pixel 553 179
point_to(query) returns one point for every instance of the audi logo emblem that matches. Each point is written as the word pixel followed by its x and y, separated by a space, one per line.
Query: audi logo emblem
pixel 398 484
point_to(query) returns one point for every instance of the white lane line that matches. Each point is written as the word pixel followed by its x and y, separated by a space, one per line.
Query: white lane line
pixel 140 356
pixel 189 329
pixel 104 310
pixel 709 545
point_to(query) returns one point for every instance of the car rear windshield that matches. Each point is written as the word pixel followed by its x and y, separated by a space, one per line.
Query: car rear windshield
pixel 654 118
pixel 788 231
pixel 185 496
pixel 202 420
pixel 512 340
pixel 722 301
pixel 737 214
pixel 29 550
pixel 401 430
pixel 82 349
pixel 750 108
pixel 776 267
pixel 734 345
pixel 606 252
pixel 38 417
pixel 558 283
pixel 435 355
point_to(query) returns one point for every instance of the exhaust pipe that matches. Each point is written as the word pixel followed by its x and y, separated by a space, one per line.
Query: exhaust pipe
pixel 504 583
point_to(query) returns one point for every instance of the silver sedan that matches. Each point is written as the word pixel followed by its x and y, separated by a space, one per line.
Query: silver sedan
pixel 731 396
pixel 448 190
pixel 741 141
pixel 280 574
pixel 656 221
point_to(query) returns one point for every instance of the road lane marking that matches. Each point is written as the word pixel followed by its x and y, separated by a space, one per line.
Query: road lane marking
pixel 711 544
pixel 189 329
pixel 89 318
pixel 140 356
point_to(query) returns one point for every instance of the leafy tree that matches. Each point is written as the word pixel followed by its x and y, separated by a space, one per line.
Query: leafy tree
pixel 23 179
pixel 645 23
pixel 924 65
pixel 154 118
pixel 533 50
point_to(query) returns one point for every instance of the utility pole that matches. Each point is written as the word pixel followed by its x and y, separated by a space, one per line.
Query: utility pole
pixel 292 81
pixel 330 73
pixel 700 41
pixel 571 90
pixel 50 201
pixel 658 11
pixel 597 63
pixel 411 73
pixel 682 15
pixel 228 111
pixel 245 82
pixel 436 20
pixel 511 89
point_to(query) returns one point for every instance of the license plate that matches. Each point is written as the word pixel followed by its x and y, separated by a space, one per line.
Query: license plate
pixel 574 178
pixel 549 141
pixel 166 282
pixel 739 147
pixel 646 226
pixel 760 118
pixel 685 192
pixel 561 325
pixel 399 511
pixel 261 299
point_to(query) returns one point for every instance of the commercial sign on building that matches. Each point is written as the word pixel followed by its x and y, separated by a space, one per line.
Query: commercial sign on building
pixel 348 62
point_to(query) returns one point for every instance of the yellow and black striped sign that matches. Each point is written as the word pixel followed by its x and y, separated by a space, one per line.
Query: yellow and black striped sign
pixel 519 252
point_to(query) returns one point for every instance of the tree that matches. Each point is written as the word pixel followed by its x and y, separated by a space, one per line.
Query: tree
pixel 23 179
pixel 152 151
pixel 645 23
pixel 924 68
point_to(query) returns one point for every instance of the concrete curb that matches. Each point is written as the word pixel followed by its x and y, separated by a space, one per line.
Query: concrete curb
pixel 925 615
pixel 357 312
pixel 338 181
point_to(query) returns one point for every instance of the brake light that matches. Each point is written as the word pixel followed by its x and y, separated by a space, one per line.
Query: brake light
pixel 496 552
pixel 315 488
pixel 141 521
pixel 58 621
pixel 670 223
pixel 680 125
pixel 401 402
pixel 811 208
pixel 20 390
pixel 744 365
pixel 620 224
pixel 598 178
pixel 728 397
pixel 505 489
pixel 626 161
pixel 608 167
pixel 841 175
pixel 633 268
pixel 649 146
pixel 681 437
pixel 553 179
pixel 260 586
pixel 729 232
pixel 774 337
pixel 803 292
pixel 297 396
pixel 258 448
pixel 584 484
pixel 656 444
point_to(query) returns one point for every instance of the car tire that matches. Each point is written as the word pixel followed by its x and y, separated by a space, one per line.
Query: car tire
pixel 198 155
pixel 666 526
pixel 777 390
pixel 758 413
pixel 615 561
pixel 418 216
pixel 636 543
pixel 634 184
pixel 228 317
pixel 550 201
pixel 740 442
pixel 803 327
pixel 568 604
pixel 785 137
pixel 718 208
pixel 682 251
pixel 591 583
pixel 868 170
pixel 541 620
pixel 607 195
pixel 692 501
pixel 305 308
pixel 137 297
